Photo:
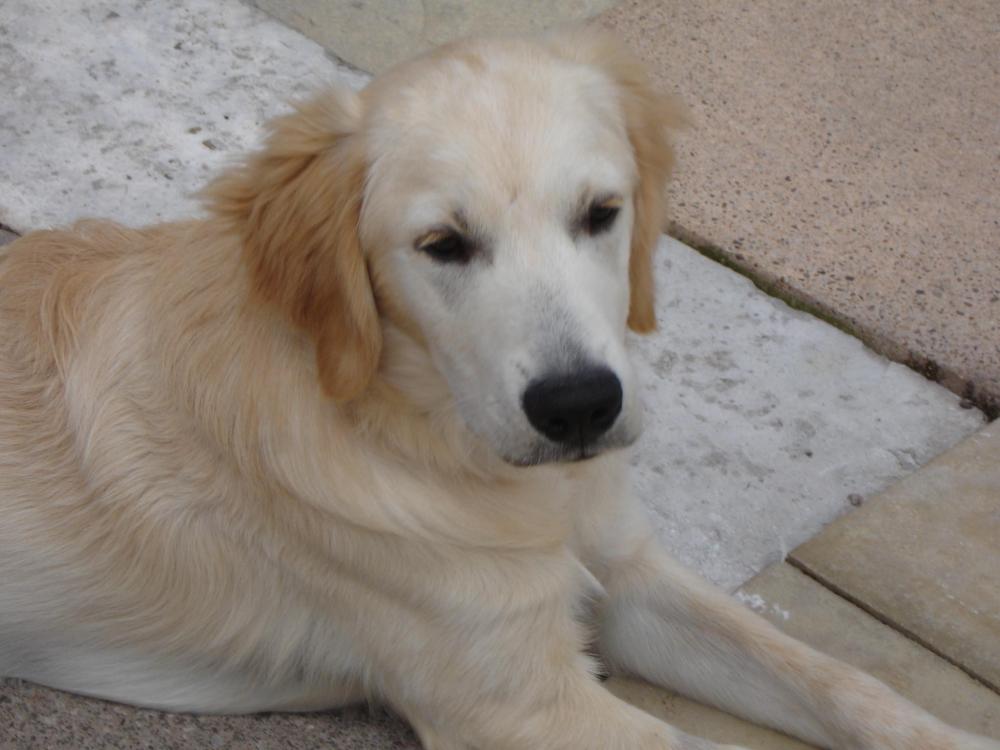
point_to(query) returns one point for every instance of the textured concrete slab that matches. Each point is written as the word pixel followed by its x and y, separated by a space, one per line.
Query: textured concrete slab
pixel 124 107
pixel 925 555
pixel 812 613
pixel 36 718
pixel 374 35
pixel 846 153
pixel 762 420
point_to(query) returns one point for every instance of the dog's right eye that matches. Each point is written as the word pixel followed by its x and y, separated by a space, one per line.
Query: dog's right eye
pixel 445 246
pixel 601 215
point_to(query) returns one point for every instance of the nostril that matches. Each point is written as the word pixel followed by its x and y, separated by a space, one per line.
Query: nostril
pixel 557 427
pixel 576 407
pixel 602 417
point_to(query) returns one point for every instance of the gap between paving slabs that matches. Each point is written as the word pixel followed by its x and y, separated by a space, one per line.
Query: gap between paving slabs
pixel 806 610
pixel 823 177
pixel 932 541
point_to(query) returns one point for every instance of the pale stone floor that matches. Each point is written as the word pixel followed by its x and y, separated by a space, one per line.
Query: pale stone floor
pixel 764 420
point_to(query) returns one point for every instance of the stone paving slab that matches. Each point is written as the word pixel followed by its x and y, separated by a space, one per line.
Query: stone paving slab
pixel 925 555
pixel 123 108
pixel 846 153
pixel 762 421
pixel 375 34
pixel 812 613
pixel 37 718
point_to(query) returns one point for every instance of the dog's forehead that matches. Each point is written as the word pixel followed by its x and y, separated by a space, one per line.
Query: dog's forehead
pixel 501 122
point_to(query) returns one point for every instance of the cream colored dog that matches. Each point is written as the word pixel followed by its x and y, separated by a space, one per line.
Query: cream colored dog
pixel 325 445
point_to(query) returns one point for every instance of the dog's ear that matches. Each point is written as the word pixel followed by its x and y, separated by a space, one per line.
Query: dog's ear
pixel 297 206
pixel 649 116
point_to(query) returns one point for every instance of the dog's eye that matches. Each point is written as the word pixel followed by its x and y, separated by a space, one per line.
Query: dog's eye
pixel 445 246
pixel 600 216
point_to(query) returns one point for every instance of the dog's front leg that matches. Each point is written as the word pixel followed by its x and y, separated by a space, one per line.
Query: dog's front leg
pixel 565 711
pixel 506 670
pixel 664 624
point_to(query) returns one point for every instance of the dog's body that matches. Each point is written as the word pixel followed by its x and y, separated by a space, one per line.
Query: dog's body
pixel 244 464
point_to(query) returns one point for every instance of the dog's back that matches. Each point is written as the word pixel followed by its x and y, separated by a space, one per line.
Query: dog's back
pixel 64 298
pixel 52 284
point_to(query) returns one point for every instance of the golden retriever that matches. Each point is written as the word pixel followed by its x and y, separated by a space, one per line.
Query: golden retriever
pixel 327 444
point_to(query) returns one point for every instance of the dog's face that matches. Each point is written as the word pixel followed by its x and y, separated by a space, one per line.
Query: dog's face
pixel 508 196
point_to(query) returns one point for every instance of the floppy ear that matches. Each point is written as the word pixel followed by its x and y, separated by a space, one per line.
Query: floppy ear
pixel 297 205
pixel 649 116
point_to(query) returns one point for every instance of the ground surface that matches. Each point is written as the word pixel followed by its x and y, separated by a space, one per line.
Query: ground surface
pixel 765 423
pixel 847 153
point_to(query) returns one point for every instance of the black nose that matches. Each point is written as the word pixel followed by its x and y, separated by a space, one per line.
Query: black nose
pixel 578 407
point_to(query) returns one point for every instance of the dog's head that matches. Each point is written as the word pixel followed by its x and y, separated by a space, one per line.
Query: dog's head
pixel 496 200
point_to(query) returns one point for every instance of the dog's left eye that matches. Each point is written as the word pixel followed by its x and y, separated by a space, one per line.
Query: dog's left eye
pixel 600 216
pixel 445 246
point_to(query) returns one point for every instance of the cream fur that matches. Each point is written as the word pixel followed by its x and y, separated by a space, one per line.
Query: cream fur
pixel 233 476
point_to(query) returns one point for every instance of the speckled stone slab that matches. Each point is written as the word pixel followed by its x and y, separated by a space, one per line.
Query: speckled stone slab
pixel 762 421
pixel 925 555
pixel 36 718
pixel 123 107
pixel 374 34
pixel 847 152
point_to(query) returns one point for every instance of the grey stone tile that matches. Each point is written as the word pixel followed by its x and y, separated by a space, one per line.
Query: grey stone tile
pixel 37 718
pixel 373 34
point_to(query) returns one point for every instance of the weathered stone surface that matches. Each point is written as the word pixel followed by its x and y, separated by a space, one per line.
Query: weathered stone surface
pixel 37 718
pixel 124 108
pixel 925 555
pixel 375 34
pixel 845 152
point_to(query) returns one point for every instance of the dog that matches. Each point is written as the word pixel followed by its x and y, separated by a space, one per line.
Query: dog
pixel 360 432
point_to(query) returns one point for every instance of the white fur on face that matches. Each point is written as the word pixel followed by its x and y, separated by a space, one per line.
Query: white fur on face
pixel 511 158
